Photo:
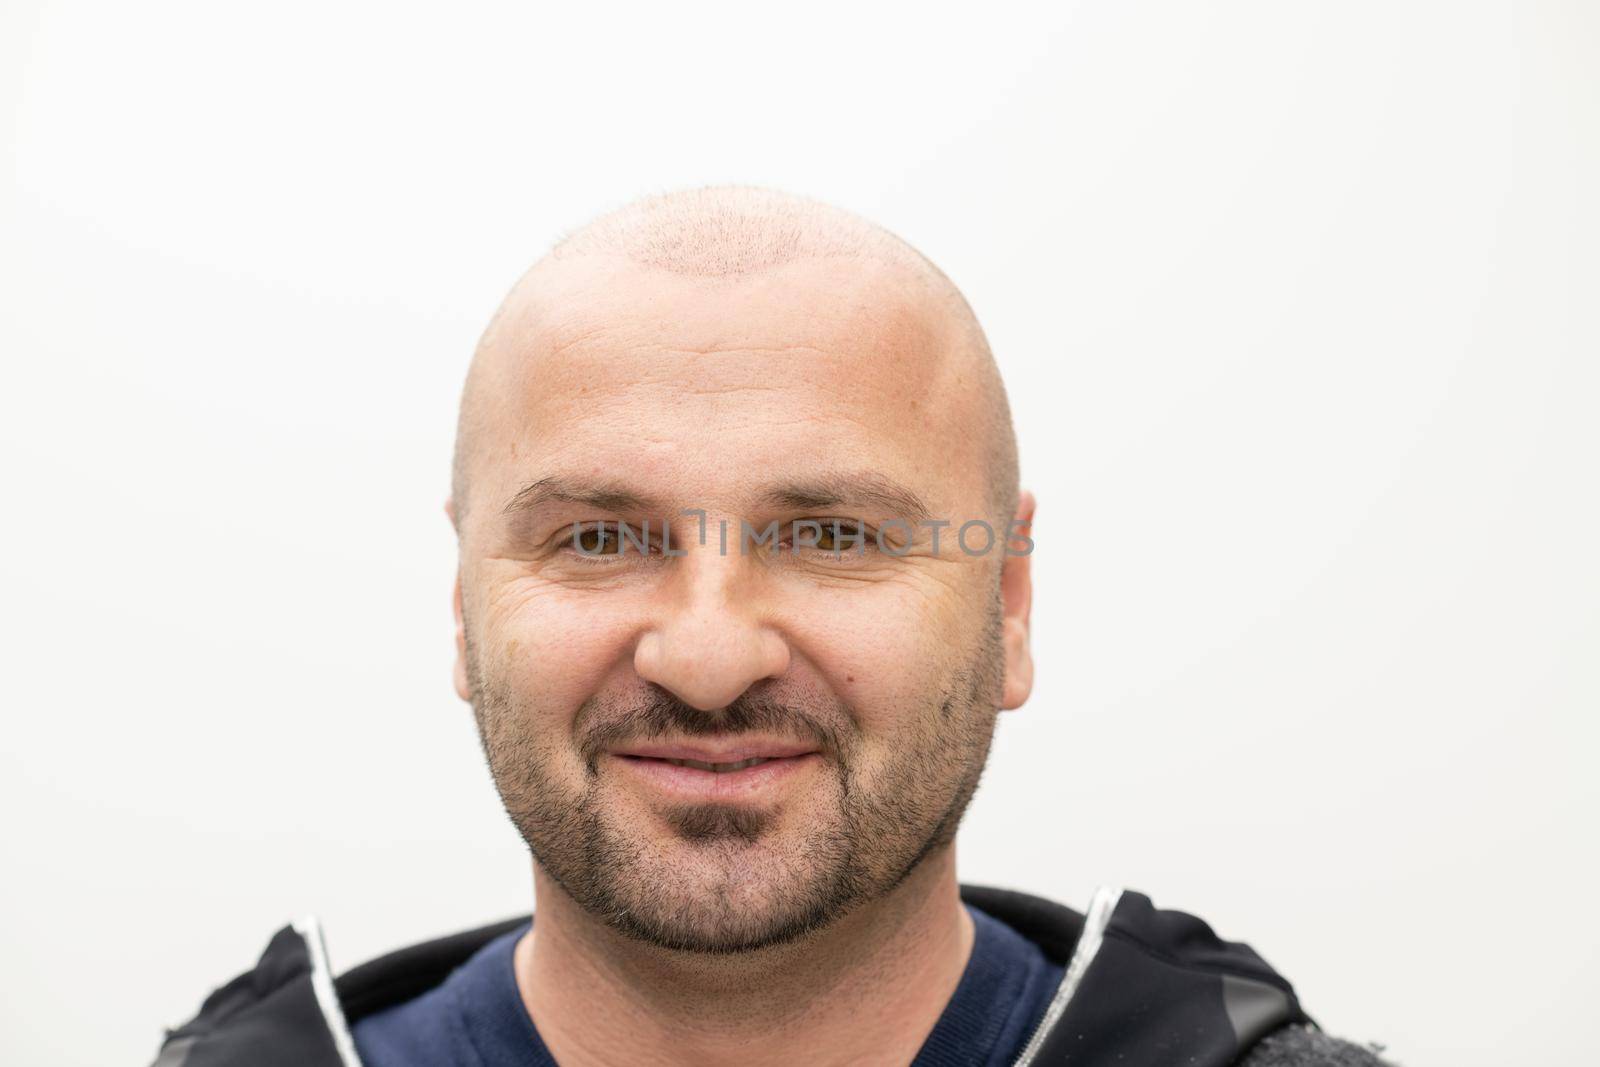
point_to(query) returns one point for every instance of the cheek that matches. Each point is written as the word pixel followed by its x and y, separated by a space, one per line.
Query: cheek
pixel 551 647
pixel 884 649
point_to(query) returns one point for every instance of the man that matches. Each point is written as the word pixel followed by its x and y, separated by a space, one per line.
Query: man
pixel 736 642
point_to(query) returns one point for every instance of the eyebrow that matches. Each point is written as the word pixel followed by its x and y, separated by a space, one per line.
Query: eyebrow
pixel 866 489
pixel 565 491
pixel 836 490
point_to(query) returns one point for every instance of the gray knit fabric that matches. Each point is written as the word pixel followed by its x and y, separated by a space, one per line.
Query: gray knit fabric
pixel 1301 1046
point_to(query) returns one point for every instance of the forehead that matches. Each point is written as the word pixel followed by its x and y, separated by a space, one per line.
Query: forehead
pixel 703 385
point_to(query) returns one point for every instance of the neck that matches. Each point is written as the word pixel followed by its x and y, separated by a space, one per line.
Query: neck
pixel 865 990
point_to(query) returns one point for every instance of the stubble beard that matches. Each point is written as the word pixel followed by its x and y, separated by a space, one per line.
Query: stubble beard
pixel 726 878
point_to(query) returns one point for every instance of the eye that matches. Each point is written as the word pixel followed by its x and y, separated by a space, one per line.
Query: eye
pixel 594 539
pixel 832 536
pixel 837 536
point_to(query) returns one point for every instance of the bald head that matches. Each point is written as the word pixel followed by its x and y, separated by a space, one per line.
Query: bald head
pixel 726 231
pixel 718 280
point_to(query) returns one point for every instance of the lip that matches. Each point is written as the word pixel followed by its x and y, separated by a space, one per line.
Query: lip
pixel 646 765
pixel 712 752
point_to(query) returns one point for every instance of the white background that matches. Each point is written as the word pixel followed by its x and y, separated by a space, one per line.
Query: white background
pixel 1296 303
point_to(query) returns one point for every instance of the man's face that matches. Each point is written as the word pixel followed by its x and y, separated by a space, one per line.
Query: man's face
pixel 866 684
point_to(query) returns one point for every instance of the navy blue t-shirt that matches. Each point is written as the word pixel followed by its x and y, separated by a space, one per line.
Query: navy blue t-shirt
pixel 476 1018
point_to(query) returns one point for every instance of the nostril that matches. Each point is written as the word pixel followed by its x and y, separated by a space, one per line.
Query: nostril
pixel 710 670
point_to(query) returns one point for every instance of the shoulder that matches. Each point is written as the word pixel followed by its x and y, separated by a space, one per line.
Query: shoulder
pixel 1305 1046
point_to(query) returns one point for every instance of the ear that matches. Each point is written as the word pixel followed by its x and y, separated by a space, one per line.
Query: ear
pixel 1016 594
pixel 463 688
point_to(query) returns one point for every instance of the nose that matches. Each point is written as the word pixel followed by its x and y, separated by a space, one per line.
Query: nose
pixel 709 641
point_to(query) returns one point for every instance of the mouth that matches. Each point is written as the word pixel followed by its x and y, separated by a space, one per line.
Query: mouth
pixel 746 771
pixel 719 768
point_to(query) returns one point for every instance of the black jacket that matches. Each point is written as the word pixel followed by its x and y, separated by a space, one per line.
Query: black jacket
pixel 1142 988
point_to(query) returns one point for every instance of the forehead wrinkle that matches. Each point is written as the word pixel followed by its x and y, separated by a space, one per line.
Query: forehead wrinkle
pixel 908 412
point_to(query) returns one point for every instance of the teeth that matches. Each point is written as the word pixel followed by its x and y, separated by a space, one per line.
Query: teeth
pixel 720 768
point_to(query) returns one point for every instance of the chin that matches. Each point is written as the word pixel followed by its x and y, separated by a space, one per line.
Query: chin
pixel 725 895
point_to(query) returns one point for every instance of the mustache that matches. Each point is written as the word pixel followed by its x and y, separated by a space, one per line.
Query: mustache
pixel 602 725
